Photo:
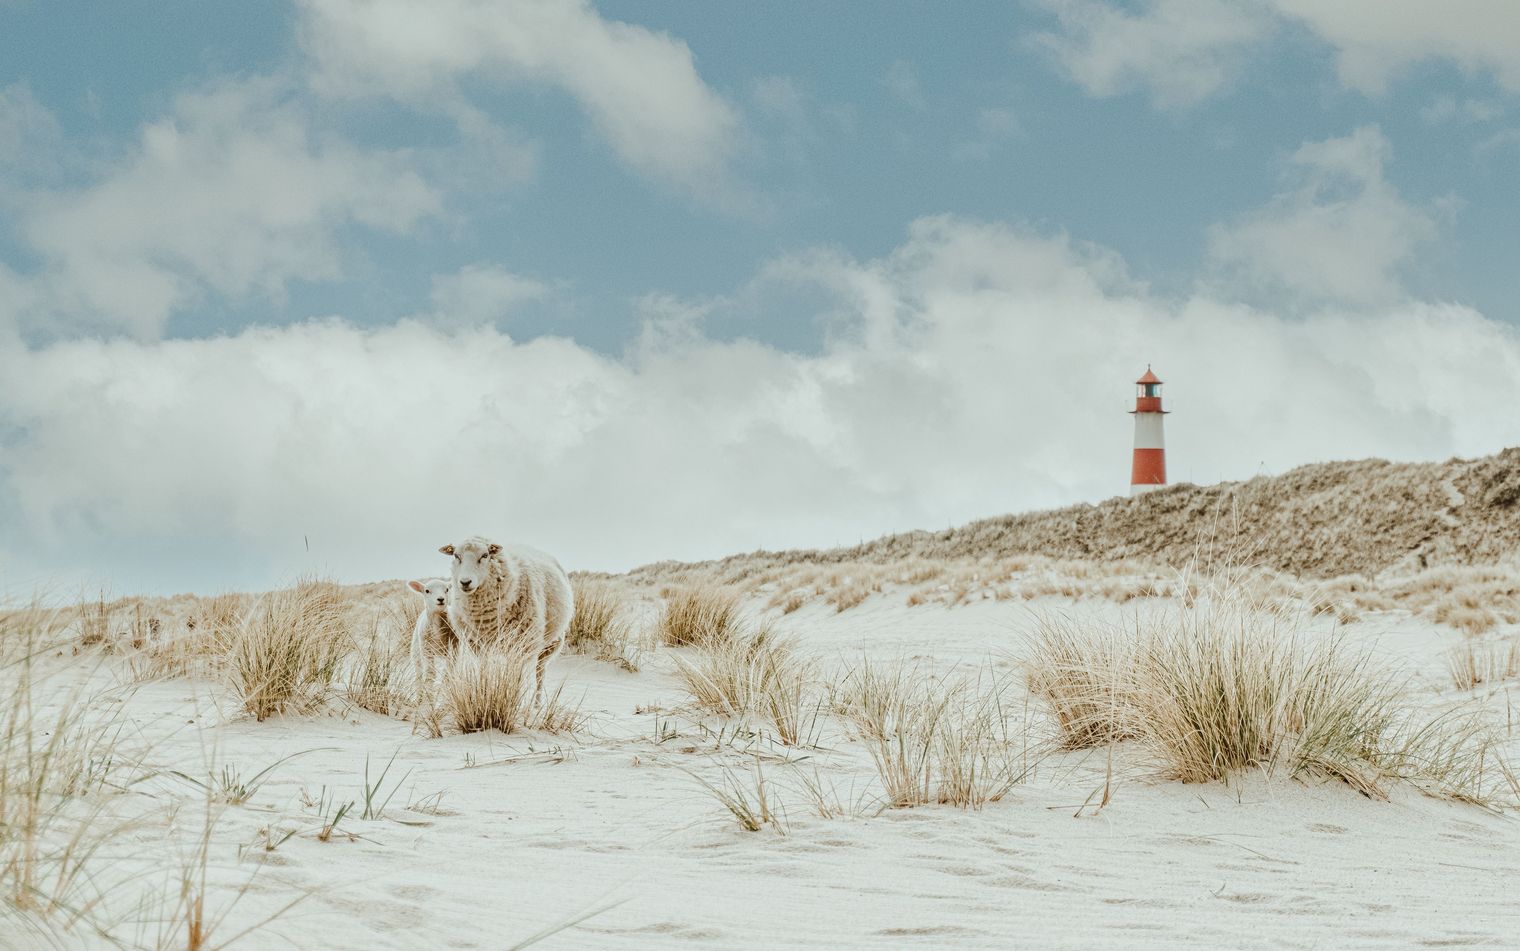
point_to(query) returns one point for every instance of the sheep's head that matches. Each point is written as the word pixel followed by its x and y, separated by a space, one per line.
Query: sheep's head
pixel 434 592
pixel 472 561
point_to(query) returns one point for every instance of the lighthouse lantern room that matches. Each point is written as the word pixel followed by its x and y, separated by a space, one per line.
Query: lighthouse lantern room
pixel 1148 471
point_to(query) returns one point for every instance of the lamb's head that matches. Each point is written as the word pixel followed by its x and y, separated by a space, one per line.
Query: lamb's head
pixel 472 561
pixel 434 592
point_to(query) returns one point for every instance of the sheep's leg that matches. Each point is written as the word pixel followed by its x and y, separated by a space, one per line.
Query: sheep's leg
pixel 419 661
pixel 538 678
pixel 544 656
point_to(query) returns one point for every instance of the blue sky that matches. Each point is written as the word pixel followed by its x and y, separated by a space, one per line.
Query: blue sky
pixel 815 223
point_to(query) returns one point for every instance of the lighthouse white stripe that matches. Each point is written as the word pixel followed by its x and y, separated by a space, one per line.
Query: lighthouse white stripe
pixel 1148 434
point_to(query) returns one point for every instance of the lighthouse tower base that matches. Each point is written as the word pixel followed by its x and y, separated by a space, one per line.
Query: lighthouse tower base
pixel 1148 471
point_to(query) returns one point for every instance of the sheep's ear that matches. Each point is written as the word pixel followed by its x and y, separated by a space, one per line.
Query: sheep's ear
pixel 416 586
pixel 447 549
pixel 495 549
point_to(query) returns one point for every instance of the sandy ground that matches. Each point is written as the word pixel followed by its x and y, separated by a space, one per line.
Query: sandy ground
pixel 490 838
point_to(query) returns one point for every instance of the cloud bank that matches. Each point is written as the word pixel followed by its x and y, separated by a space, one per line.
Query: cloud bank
pixel 977 369
pixel 639 88
pixel 1185 51
pixel 235 192
pixel 1342 232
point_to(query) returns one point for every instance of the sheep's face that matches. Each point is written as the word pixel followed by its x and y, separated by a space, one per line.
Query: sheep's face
pixel 434 591
pixel 472 559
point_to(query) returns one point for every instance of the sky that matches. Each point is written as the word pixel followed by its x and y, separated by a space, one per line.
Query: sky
pixel 317 286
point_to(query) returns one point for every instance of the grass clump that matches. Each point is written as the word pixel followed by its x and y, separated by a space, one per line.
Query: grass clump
pixel 1476 662
pixel 284 655
pixel 600 628
pixel 1084 675
pixel 701 615
pixel 596 613
pixel 494 691
pixel 936 739
pixel 54 773
pixel 1226 684
pixel 378 671
pixel 761 674
pixel 749 798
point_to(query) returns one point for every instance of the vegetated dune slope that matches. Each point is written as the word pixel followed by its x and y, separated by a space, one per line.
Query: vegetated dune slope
pixel 1317 521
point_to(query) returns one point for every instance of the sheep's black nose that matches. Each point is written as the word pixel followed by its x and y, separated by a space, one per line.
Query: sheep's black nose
pixel 465 585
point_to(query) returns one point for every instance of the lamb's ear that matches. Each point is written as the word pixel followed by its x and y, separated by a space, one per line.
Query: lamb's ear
pixel 416 586
pixel 495 549
pixel 447 549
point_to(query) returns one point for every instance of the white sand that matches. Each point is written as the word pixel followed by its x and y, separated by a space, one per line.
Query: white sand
pixel 534 831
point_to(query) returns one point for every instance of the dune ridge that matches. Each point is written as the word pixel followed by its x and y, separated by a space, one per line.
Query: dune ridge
pixel 1317 521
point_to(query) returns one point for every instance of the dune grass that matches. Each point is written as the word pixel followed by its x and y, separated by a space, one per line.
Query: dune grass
pixel 1474 662
pixel 284 655
pixel 494 691
pixel 760 674
pixel 56 770
pixel 951 740
pixel 1226 684
pixel 749 797
pixel 702 615
pixel 68 813
pixel 601 627
pixel 1083 674
pixel 379 672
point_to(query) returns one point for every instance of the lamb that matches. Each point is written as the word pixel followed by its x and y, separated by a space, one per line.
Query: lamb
pixel 516 597
pixel 433 637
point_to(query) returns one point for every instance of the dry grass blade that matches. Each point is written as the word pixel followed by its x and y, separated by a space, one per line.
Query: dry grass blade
pixel 937 740
pixel 191 924
pixel 63 772
pixel 824 797
pixel 60 764
pixel 751 800
pixel 1476 662
pixel 873 696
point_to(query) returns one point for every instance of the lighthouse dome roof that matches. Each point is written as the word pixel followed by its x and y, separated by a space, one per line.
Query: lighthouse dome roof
pixel 1149 377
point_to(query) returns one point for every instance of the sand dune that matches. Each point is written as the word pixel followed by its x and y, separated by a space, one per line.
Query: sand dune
pixel 489 839
pixel 1318 521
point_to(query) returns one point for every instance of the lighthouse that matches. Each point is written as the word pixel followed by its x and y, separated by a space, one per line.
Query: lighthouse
pixel 1148 471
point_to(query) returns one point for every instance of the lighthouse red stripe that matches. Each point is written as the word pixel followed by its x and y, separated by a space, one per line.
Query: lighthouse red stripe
pixel 1149 467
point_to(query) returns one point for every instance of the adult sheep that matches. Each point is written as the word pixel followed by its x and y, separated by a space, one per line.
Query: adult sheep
pixel 509 597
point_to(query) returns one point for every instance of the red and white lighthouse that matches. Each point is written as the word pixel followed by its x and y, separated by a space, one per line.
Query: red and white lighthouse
pixel 1148 471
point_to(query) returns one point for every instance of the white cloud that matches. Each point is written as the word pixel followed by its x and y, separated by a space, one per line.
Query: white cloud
pixel 233 192
pixel 1342 233
pixel 1180 51
pixel 978 369
pixel 481 294
pixel 1184 51
pixel 639 88
pixel 1374 39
